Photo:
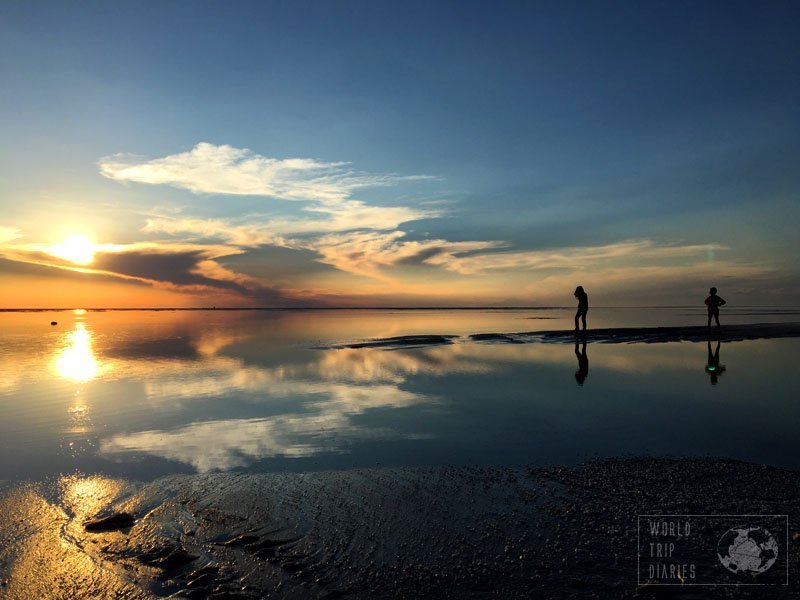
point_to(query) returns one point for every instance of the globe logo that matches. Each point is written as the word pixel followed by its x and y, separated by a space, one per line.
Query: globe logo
pixel 750 550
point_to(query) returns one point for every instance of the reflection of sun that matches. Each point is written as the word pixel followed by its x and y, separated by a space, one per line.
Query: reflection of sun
pixel 86 496
pixel 76 248
pixel 76 361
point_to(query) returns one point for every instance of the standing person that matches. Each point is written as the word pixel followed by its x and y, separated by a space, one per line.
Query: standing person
pixel 713 302
pixel 583 307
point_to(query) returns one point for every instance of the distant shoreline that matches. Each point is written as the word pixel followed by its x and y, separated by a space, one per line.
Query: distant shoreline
pixel 777 309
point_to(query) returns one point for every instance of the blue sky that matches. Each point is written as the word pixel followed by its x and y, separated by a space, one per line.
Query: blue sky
pixel 558 141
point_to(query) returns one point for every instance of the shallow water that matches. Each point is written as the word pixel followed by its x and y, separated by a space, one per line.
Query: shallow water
pixel 145 393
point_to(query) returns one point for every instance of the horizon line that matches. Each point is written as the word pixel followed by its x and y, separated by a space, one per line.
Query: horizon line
pixel 289 308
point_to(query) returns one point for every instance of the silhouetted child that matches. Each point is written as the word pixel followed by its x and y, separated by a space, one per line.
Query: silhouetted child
pixel 713 302
pixel 583 306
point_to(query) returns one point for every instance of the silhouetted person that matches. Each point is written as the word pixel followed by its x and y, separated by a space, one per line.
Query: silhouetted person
pixel 583 364
pixel 713 302
pixel 713 368
pixel 583 307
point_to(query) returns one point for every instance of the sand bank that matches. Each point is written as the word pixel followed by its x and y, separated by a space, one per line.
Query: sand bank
pixel 616 335
pixel 378 533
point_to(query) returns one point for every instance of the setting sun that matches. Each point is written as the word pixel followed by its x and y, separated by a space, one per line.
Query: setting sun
pixel 76 248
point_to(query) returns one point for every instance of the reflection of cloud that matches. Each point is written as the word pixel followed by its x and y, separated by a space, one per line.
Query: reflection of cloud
pixel 329 391
pixel 225 444
pixel 366 377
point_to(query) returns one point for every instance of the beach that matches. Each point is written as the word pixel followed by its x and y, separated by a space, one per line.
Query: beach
pixel 375 533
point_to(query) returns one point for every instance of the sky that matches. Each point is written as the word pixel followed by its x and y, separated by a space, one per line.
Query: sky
pixel 249 154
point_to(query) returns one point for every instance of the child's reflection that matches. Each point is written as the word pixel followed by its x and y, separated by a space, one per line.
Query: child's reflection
pixel 583 363
pixel 713 368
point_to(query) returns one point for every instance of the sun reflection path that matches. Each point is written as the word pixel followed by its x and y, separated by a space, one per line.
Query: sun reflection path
pixel 76 360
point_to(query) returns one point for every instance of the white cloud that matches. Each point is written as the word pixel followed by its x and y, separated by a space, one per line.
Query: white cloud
pixel 8 234
pixel 367 253
pixel 326 187
pixel 354 236
pixel 571 258
pixel 239 235
pixel 211 169
pixel 374 252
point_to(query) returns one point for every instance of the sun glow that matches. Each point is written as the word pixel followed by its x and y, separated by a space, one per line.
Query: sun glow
pixel 76 248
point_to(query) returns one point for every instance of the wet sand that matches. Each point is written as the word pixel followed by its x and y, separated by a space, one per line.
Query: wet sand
pixel 616 335
pixel 376 533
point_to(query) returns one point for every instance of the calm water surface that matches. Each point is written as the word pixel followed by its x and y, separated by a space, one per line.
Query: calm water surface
pixel 143 394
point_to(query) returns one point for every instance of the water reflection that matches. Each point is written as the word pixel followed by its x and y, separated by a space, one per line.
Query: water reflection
pixel 76 361
pixel 326 425
pixel 583 363
pixel 243 390
pixel 713 367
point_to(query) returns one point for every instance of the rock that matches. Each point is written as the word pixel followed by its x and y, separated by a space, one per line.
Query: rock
pixel 110 523
pixel 401 341
pixel 176 558
pixel 494 337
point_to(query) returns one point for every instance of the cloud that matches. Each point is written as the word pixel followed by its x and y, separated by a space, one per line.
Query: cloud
pixel 210 169
pixel 375 253
pixel 379 253
pixel 8 234
pixel 370 253
pixel 257 230
pixel 183 267
pixel 220 229
pixel 571 258
pixel 325 187
pixel 322 217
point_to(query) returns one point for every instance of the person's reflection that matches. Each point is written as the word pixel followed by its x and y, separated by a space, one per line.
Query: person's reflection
pixel 713 368
pixel 583 363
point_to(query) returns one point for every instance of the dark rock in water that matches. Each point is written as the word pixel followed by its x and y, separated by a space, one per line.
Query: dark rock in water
pixel 111 523
pixel 495 337
pixel 53 322
pixel 402 341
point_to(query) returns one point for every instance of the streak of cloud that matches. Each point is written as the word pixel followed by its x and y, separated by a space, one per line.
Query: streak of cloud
pixel 225 170
pixel 210 169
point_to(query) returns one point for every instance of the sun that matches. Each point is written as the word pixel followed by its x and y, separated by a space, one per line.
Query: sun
pixel 76 248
